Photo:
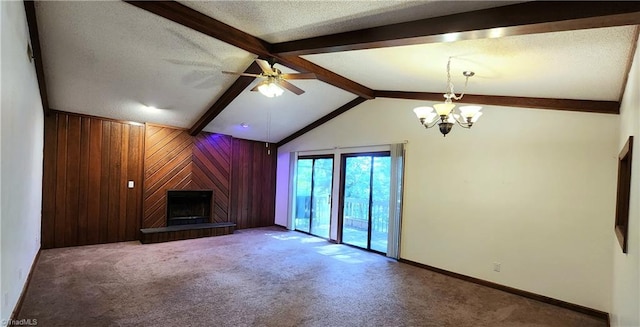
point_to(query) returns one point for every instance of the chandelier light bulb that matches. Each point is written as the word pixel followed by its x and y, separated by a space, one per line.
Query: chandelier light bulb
pixel 469 111
pixel 444 109
pixel 425 114
pixel 476 117
pixel 422 112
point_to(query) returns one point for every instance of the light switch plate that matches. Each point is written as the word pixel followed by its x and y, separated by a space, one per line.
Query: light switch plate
pixel 130 184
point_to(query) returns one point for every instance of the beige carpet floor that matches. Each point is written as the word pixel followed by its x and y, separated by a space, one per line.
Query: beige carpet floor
pixel 263 277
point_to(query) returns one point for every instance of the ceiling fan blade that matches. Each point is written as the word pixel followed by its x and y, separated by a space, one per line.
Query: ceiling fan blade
pixel 264 65
pixel 290 87
pixel 255 88
pixel 299 76
pixel 242 74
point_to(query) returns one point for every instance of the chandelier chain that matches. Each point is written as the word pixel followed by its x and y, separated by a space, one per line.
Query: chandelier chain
pixel 450 92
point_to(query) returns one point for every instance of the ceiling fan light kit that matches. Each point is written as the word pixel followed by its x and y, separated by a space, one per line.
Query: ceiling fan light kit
pixel 275 81
pixel 447 118
pixel 269 88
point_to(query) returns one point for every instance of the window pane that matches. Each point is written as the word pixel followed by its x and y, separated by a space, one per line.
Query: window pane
pixel 380 188
pixel 355 223
pixel 303 195
pixel 321 197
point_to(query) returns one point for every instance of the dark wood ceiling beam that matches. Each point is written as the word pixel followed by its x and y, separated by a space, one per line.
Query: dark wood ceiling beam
pixel 518 19
pixel 327 76
pixel 195 20
pixel 595 106
pixel 202 23
pixel 227 97
pixel 34 36
pixel 322 120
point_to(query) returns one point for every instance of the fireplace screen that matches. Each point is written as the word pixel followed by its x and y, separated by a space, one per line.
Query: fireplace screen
pixel 189 207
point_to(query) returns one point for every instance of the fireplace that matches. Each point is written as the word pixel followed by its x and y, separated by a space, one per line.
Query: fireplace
pixel 189 207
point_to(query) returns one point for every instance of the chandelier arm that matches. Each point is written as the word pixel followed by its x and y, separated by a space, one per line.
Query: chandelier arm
pixel 432 124
pixel 462 123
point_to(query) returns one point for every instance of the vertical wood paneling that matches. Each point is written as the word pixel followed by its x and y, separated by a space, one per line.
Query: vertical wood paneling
pixel 124 162
pixel 83 187
pixel 49 176
pixel 87 162
pixel 103 218
pixel 253 188
pixel 268 187
pixel 61 183
pixel 72 180
pixel 259 151
pixel 134 200
pixel 95 166
pixel 237 197
pixel 115 146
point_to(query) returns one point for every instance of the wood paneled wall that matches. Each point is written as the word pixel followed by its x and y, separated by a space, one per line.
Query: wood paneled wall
pixel 174 160
pixel 89 160
pixel 241 173
pixel 87 164
pixel 253 178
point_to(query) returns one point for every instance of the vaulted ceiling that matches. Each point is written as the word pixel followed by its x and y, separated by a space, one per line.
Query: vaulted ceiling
pixel 119 59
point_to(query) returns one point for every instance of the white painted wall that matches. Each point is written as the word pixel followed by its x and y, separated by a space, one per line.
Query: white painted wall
pixel 531 189
pixel 22 128
pixel 625 309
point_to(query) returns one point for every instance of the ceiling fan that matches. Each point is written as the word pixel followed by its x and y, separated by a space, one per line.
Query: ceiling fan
pixel 274 79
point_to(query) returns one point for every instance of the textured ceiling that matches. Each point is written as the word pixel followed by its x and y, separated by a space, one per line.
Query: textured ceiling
pixel 584 64
pixel 276 118
pixel 280 21
pixel 112 59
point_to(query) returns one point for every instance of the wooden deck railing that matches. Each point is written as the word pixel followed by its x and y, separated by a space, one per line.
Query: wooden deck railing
pixel 355 212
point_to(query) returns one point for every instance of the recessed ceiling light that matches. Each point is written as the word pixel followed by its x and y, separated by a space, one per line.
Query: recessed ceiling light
pixel 244 125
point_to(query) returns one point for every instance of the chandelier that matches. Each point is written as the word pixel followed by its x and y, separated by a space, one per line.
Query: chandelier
pixel 444 116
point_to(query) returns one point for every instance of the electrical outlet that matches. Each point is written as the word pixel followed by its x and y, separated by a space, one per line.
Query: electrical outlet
pixel 496 266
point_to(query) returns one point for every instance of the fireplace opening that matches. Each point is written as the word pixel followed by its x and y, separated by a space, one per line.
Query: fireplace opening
pixel 189 207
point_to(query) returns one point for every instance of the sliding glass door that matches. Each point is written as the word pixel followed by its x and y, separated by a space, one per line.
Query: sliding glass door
pixel 314 180
pixel 365 187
